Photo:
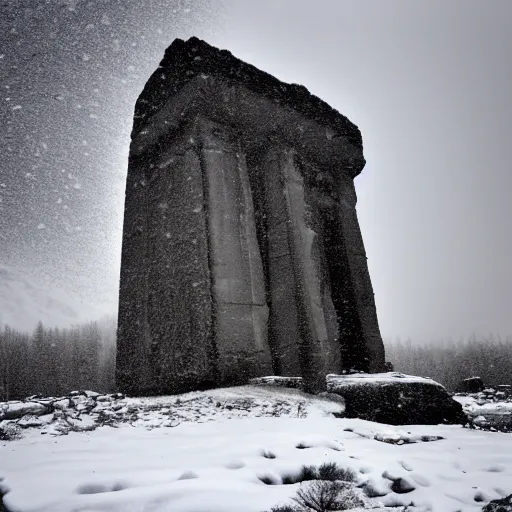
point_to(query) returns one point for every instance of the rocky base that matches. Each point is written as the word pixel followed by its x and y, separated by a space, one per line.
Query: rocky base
pixel 490 409
pixel 86 410
pixel 76 412
pixel 396 399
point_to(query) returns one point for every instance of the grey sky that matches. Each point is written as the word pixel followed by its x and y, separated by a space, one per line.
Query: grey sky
pixel 429 85
pixel 427 82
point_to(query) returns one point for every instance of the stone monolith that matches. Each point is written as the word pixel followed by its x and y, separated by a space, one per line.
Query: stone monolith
pixel 242 255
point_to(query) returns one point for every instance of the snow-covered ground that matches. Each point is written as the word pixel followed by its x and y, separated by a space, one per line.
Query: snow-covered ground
pixel 215 457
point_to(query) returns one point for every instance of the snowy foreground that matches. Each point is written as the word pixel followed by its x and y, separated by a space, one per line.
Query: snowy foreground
pixel 226 442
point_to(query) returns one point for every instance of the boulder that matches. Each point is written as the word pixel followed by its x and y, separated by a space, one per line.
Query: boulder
pixel 471 385
pixel 506 389
pixel 396 399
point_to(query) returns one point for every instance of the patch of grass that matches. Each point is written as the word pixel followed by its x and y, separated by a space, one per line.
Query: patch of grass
pixel 326 496
pixel 330 471
pixel 9 433
pixel 268 454
pixel 289 479
pixel 322 496
pixel 307 473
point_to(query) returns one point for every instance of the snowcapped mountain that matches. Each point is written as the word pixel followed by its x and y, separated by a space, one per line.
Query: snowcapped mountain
pixel 24 302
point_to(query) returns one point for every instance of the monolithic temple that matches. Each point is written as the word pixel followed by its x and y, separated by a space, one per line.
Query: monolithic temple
pixel 242 254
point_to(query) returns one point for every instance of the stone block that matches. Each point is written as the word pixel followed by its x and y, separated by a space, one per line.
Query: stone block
pixel 396 399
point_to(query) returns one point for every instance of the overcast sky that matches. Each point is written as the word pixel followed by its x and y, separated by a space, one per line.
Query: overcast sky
pixel 427 82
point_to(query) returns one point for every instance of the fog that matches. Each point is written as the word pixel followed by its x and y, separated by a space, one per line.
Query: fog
pixel 428 84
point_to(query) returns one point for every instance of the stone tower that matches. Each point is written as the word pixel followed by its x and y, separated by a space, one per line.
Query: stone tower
pixel 242 254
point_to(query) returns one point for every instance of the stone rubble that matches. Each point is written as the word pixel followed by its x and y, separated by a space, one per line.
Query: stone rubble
pixel 490 409
pixel 87 410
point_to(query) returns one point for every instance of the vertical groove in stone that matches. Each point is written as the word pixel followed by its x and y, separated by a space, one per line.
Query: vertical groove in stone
pixel 237 274
pixel 250 239
pixel 211 337
pixel 300 239
pixel 284 332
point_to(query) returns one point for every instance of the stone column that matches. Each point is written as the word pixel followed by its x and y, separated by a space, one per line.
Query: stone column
pixel 133 372
pixel 238 291
pixel 165 339
pixel 179 281
pixel 299 332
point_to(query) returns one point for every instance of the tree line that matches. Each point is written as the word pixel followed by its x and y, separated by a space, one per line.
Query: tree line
pixel 53 362
pixel 448 363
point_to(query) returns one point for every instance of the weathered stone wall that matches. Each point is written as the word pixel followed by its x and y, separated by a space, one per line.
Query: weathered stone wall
pixel 242 254
pixel 166 326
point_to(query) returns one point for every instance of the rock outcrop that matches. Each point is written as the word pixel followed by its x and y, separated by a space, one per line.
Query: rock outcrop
pixel 242 255
pixel 396 399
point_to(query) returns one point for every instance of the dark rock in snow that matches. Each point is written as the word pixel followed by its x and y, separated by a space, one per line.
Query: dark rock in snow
pixel 471 385
pixel 402 486
pixel 501 505
pixel 396 399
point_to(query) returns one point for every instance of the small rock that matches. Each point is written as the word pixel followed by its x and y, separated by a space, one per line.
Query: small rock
pixel 402 486
pixel 19 409
pixel 29 420
pixel 77 393
pixel 63 403
pixel 375 489
pixel 104 398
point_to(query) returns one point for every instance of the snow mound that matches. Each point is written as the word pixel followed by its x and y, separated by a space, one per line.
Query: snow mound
pixel 334 382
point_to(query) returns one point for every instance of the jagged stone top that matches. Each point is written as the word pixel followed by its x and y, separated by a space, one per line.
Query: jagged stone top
pixel 184 60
